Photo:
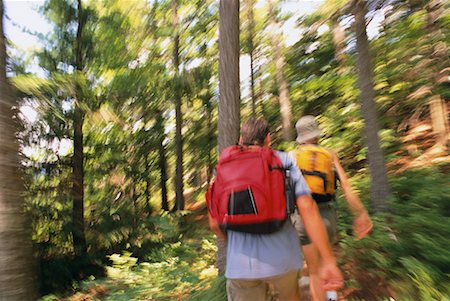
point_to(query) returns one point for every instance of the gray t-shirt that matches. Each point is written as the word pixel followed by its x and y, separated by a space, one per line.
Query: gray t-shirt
pixel 257 256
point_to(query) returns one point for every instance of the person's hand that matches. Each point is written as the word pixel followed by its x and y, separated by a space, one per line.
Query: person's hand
pixel 330 276
pixel 362 225
pixel 214 225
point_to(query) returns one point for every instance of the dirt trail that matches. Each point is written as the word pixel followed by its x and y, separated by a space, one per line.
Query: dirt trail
pixel 197 208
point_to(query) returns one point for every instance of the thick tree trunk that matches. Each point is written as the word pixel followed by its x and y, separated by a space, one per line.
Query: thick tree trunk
pixel 229 90
pixel 380 189
pixel 251 50
pixel 79 239
pixel 283 89
pixel 179 187
pixel 17 278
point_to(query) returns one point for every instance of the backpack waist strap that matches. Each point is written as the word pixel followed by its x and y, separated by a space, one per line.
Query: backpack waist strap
pixel 322 198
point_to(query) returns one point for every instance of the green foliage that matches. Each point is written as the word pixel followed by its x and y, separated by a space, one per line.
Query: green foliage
pixel 178 270
pixel 126 89
pixel 319 88
pixel 214 291
pixel 62 273
pixel 408 248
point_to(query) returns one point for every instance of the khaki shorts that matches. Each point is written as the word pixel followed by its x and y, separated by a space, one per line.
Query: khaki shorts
pixel 285 286
pixel 328 213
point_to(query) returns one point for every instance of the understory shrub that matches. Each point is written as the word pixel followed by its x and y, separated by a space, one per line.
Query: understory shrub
pixel 408 251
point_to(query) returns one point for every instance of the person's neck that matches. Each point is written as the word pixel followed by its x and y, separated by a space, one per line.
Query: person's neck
pixel 314 142
pixel 253 145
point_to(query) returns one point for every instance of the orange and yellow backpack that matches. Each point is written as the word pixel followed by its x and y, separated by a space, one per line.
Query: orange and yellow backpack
pixel 316 164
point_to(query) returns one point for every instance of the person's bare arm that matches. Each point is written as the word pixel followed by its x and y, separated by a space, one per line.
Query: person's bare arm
pixel 362 223
pixel 214 226
pixel 309 212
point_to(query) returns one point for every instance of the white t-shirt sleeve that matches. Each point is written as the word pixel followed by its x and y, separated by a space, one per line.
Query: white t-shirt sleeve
pixel 300 186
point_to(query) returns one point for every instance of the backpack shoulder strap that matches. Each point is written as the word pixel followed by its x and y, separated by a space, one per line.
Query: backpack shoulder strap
pixel 325 150
pixel 312 148
pixel 229 151
pixel 275 159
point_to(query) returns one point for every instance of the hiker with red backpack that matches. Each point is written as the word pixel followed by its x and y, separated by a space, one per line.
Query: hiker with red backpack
pixel 247 205
pixel 321 168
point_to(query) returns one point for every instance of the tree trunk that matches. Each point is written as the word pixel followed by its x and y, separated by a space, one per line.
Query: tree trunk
pixel 179 198
pixel 79 239
pixel 283 89
pixel 439 119
pixel 251 50
pixel 380 189
pixel 439 61
pixel 162 162
pixel 148 184
pixel 17 279
pixel 133 197
pixel 229 90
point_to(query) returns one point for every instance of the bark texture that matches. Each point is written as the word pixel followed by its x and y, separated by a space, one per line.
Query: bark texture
pixel 179 185
pixel 251 51
pixel 380 190
pixel 78 234
pixel 229 90
pixel 438 53
pixel 17 278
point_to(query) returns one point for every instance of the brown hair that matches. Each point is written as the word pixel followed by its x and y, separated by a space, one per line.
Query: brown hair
pixel 254 131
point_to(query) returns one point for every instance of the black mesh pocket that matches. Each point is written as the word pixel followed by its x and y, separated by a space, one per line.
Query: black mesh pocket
pixel 242 202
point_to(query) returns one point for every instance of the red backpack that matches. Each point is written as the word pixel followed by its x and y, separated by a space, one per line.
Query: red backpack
pixel 248 193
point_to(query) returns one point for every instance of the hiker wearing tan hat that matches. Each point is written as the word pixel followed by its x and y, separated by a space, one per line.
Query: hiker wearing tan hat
pixel 321 168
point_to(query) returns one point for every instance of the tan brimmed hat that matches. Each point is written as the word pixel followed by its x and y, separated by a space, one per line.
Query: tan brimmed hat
pixel 307 129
